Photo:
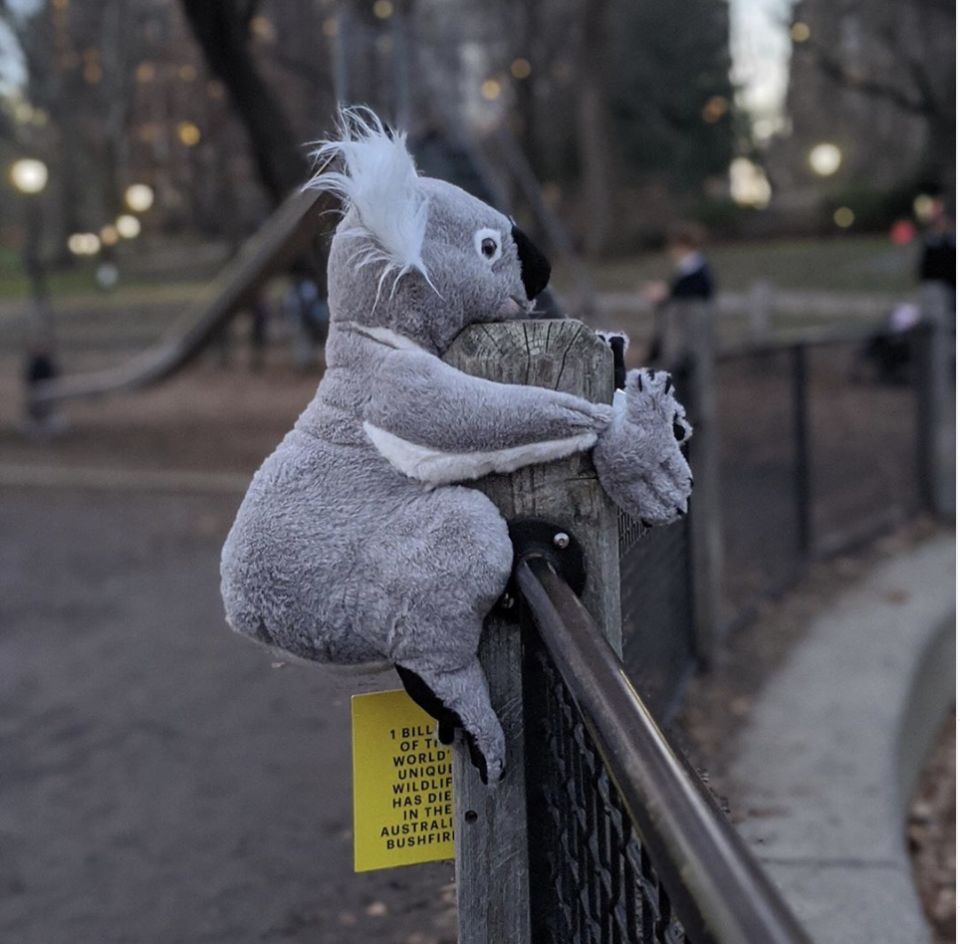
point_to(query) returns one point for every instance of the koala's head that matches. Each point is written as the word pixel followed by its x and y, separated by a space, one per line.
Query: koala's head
pixel 417 255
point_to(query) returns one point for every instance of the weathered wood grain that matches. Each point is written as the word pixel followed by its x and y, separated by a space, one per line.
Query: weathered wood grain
pixel 491 845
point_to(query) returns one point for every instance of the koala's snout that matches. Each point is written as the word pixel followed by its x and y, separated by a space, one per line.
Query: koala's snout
pixel 534 265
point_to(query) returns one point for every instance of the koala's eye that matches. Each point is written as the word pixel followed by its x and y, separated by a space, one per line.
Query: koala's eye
pixel 487 243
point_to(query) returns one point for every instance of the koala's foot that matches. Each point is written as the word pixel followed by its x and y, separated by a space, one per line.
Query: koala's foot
pixel 447 721
pixel 639 458
pixel 460 698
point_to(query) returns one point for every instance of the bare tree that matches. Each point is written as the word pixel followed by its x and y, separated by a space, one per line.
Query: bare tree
pixel 596 143
pixel 917 37
pixel 223 32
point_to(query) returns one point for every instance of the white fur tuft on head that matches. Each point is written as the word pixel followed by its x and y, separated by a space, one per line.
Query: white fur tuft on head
pixel 379 181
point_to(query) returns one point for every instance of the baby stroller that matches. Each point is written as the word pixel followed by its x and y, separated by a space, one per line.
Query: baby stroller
pixel 886 357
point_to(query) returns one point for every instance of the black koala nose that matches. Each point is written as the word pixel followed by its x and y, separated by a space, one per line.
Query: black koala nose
pixel 534 265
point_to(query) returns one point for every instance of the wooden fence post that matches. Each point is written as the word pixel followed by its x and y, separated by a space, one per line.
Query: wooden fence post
pixel 934 447
pixel 493 883
pixel 706 524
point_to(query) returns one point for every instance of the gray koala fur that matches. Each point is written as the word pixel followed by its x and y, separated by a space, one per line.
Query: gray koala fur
pixel 355 543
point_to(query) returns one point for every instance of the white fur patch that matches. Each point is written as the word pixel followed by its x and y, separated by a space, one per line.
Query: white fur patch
pixel 385 336
pixel 379 180
pixel 435 467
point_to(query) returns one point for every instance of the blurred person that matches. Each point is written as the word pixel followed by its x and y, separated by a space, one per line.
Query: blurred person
pixel 938 260
pixel 308 315
pixel 42 421
pixel 259 326
pixel 692 280
pixel 888 351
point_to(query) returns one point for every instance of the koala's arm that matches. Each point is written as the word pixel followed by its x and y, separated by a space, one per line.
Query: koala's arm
pixel 439 425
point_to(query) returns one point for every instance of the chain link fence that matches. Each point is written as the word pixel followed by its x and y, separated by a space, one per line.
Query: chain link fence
pixel 820 450
pixel 625 844
pixel 591 878
pixel 659 648
pixel 821 447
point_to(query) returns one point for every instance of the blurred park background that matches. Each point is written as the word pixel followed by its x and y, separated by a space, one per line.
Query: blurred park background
pixel 160 782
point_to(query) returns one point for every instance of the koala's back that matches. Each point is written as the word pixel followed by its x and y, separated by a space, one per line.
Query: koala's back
pixel 288 568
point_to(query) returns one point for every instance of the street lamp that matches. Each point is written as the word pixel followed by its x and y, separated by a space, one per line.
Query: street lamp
pixel 30 177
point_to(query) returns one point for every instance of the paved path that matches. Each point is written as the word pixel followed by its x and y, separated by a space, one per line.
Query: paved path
pixel 160 783
pixel 822 768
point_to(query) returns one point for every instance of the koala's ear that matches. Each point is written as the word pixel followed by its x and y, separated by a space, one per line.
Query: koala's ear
pixel 378 179
pixel 534 265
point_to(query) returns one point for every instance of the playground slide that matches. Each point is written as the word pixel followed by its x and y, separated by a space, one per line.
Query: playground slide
pixel 288 233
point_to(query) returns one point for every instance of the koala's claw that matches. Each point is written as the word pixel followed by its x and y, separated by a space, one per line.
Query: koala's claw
pixel 650 399
pixel 638 458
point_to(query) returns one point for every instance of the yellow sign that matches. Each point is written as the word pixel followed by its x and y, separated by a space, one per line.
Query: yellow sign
pixel 402 784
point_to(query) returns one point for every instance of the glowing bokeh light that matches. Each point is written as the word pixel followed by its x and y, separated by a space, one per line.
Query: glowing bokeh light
pixel 825 159
pixel 139 197
pixel 188 133
pixel 490 90
pixel 109 235
pixel 520 69
pixel 84 244
pixel 902 232
pixel 383 9
pixel 128 226
pixel 844 217
pixel 715 109
pixel 923 207
pixel 262 28
pixel 799 32
pixel 29 175
pixel 748 184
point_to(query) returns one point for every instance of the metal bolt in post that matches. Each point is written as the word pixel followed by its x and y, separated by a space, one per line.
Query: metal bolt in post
pixel 561 540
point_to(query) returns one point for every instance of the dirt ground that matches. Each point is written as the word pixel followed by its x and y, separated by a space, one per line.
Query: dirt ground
pixel 931 832
pixel 161 781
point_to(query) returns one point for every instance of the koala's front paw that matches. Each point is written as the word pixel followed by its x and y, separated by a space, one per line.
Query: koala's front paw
pixel 639 459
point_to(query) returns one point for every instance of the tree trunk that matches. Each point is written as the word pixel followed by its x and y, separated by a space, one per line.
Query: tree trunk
pixel 222 29
pixel 593 125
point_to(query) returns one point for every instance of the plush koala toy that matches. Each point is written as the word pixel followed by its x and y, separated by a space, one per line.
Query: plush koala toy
pixel 357 541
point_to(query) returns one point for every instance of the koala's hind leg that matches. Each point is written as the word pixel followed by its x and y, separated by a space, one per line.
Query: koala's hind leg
pixel 452 571
pixel 427 699
pixel 463 694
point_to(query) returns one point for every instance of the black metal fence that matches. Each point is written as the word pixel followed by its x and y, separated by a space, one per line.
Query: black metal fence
pixel 622 840
pixel 625 844
pixel 821 449
pixel 822 445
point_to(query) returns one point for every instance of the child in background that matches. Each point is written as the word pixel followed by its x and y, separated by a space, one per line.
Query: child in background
pixel 692 280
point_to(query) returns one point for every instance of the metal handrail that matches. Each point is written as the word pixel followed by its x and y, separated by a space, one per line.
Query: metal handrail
pixel 718 889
